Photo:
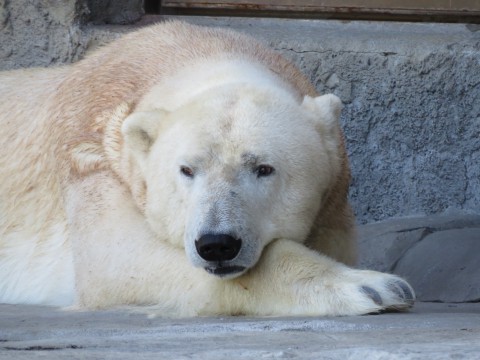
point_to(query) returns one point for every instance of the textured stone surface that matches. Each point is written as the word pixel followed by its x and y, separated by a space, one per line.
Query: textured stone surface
pixel 383 252
pixel 453 220
pixel 430 331
pixel 40 33
pixel 444 266
pixel 411 91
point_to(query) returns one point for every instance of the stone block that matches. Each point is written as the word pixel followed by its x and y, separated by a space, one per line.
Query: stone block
pixel 381 253
pixel 438 255
pixel 444 266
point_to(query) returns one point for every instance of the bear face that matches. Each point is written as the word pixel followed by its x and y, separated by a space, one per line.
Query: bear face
pixel 237 167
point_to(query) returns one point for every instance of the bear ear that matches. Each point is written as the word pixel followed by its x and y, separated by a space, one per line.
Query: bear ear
pixel 326 110
pixel 140 130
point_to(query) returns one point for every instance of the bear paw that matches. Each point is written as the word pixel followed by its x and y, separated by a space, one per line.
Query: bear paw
pixel 397 287
pixel 378 292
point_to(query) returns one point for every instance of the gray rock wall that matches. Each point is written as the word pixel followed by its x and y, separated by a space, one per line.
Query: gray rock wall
pixel 412 123
pixel 40 33
pixel 411 92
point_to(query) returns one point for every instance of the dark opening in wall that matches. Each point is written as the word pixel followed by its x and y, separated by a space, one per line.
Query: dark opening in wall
pixel 151 6
pixel 465 11
pixel 116 12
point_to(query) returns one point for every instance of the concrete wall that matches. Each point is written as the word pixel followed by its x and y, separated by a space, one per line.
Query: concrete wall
pixel 411 92
pixel 40 33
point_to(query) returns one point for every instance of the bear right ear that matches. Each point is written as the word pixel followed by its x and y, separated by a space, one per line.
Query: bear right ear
pixel 140 130
pixel 326 110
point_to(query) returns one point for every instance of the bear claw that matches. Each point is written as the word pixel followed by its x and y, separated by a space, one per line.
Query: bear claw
pixel 403 291
pixel 373 294
pixel 399 289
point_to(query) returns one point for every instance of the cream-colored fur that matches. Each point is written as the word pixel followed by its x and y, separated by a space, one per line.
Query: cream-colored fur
pixel 96 212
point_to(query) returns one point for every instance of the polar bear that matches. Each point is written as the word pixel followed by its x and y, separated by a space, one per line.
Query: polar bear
pixel 185 168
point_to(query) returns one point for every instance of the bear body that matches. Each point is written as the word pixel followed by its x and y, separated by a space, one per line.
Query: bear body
pixel 185 168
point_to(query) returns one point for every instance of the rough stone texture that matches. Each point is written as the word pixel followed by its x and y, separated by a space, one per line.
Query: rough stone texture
pixel 411 91
pixel 40 33
pixel 438 255
pixel 430 331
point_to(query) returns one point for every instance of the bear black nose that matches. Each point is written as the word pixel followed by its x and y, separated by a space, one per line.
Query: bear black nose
pixel 218 247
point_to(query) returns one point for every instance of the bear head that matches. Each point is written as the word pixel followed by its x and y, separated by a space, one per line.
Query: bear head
pixel 233 169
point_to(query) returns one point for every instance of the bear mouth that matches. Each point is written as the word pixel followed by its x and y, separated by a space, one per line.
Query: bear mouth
pixel 223 271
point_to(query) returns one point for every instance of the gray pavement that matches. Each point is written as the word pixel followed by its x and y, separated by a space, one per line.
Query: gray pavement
pixel 429 331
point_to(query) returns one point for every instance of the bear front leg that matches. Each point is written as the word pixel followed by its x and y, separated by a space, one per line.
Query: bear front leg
pixel 291 279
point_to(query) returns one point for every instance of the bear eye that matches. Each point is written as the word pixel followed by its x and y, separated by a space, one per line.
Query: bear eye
pixel 186 171
pixel 264 170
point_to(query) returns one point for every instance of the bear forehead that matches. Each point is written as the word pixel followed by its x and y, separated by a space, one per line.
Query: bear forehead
pixel 242 110
pixel 240 123
pixel 207 76
pixel 249 133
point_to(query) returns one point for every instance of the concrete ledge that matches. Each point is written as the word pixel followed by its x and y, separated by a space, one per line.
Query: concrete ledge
pixel 430 331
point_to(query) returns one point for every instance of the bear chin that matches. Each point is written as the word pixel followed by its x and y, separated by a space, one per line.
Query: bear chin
pixel 226 272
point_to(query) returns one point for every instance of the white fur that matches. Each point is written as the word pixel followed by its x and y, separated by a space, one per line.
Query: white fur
pixel 95 212
pixel 204 75
pixel 30 277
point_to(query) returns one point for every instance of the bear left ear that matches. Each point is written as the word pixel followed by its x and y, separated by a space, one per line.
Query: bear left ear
pixel 326 111
pixel 140 130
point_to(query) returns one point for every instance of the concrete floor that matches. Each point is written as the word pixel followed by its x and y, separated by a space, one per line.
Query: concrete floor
pixel 429 331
